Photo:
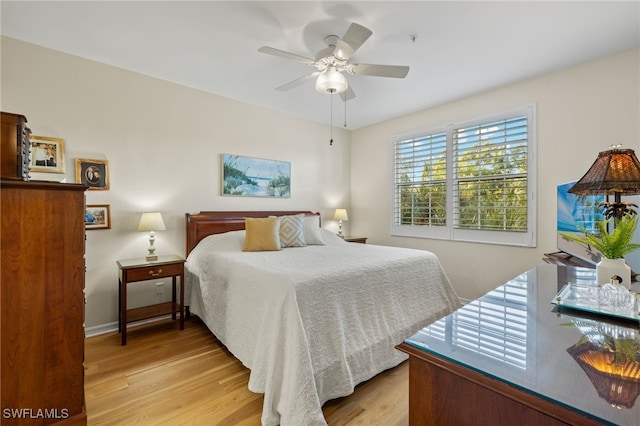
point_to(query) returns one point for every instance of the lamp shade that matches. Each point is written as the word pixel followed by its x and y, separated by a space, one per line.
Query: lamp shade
pixel 331 81
pixel 151 222
pixel 341 214
pixel 615 172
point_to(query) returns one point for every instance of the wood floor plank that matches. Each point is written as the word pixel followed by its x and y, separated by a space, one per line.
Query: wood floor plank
pixel 164 376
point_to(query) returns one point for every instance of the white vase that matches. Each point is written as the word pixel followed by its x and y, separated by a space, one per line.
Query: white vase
pixel 607 268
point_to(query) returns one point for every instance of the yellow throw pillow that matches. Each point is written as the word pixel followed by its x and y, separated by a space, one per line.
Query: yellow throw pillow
pixel 262 234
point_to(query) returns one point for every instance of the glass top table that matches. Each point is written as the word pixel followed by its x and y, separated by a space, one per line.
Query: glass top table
pixel 588 363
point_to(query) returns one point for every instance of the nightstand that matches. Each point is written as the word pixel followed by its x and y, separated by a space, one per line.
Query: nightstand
pixel 361 240
pixel 135 270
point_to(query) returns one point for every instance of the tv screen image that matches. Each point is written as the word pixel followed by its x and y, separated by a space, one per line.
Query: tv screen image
pixel 575 212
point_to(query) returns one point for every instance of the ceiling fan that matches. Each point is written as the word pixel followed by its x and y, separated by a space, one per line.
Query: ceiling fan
pixel 332 61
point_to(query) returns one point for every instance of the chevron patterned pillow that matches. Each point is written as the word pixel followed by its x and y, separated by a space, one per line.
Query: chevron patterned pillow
pixel 291 234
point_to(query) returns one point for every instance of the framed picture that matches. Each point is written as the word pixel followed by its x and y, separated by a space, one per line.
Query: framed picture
pixel 97 216
pixel 94 173
pixel 47 154
pixel 255 177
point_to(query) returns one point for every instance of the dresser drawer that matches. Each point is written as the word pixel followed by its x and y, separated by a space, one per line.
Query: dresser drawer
pixel 152 272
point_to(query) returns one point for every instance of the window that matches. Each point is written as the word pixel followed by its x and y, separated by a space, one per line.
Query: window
pixel 421 180
pixel 468 181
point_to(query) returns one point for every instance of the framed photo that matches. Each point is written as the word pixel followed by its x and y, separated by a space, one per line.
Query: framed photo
pixel 97 216
pixel 47 154
pixel 94 173
pixel 255 177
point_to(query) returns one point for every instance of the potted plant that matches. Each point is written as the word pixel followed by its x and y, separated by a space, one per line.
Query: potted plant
pixel 613 246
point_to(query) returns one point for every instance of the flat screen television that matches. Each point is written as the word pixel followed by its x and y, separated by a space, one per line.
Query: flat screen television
pixel 574 212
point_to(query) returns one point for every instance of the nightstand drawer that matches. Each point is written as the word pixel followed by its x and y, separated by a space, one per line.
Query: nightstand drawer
pixel 152 272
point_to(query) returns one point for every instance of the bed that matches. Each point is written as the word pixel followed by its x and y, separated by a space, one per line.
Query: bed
pixel 310 322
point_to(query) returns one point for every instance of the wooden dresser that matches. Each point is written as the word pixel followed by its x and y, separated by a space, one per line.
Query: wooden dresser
pixel 512 357
pixel 42 301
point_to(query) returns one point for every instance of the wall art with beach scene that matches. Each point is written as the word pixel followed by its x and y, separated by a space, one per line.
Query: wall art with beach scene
pixel 255 177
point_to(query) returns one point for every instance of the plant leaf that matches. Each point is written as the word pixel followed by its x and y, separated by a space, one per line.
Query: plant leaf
pixel 612 245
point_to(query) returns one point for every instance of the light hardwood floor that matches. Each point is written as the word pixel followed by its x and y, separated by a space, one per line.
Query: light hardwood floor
pixel 169 377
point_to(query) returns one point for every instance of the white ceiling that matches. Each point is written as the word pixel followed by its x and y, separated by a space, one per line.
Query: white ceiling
pixel 461 48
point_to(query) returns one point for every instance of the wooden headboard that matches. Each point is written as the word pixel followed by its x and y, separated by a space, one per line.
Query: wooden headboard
pixel 203 224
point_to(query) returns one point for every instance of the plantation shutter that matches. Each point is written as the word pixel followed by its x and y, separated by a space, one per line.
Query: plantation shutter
pixel 472 180
pixel 490 175
pixel 420 181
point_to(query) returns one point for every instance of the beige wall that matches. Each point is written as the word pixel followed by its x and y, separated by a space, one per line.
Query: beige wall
pixel 581 111
pixel 163 143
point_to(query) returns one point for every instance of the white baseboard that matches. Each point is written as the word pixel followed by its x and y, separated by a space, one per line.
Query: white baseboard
pixel 97 330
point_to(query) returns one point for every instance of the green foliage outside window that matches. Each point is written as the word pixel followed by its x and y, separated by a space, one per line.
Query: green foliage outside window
pixel 492 188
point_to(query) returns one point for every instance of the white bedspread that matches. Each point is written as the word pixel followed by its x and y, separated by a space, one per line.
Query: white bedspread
pixel 313 322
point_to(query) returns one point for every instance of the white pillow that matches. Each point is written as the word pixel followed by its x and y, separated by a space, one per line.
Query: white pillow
pixel 291 233
pixel 311 230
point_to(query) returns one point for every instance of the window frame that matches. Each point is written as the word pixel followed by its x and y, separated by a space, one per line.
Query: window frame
pixel 449 231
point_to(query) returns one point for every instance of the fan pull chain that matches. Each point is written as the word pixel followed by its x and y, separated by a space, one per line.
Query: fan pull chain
pixel 345 111
pixel 331 116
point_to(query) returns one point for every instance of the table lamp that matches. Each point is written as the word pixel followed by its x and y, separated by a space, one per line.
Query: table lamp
pixel 150 222
pixel 340 215
pixel 615 172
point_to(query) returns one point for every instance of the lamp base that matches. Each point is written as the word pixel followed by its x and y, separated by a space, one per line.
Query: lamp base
pixel 151 255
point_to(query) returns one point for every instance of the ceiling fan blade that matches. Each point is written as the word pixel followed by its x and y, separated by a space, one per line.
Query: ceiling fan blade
pixel 347 94
pixel 395 71
pixel 351 41
pixel 298 81
pixel 287 55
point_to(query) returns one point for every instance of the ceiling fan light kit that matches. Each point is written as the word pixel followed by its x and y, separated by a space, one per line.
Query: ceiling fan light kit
pixel 331 81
